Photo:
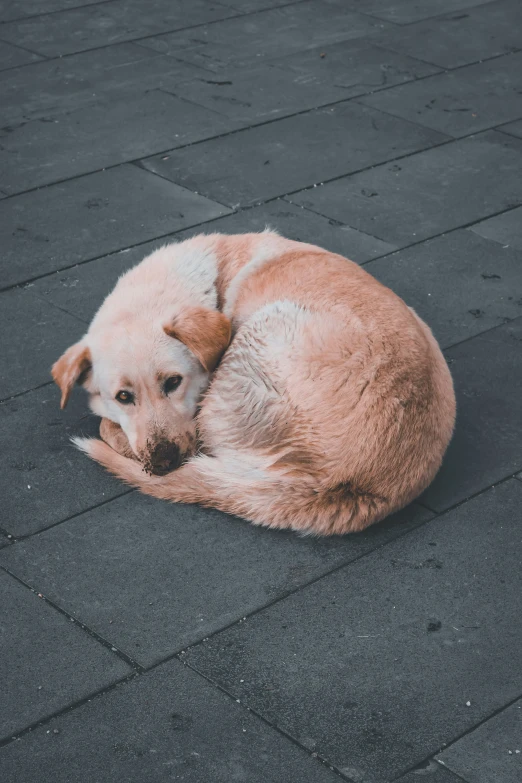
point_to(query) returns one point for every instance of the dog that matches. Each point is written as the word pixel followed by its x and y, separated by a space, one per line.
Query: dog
pixel 267 378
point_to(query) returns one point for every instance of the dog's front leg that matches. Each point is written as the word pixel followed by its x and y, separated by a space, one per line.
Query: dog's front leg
pixel 114 436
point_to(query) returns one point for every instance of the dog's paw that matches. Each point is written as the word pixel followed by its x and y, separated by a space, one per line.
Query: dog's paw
pixel 113 435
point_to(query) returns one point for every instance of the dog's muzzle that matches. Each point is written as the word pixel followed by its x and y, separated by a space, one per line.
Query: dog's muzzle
pixel 164 458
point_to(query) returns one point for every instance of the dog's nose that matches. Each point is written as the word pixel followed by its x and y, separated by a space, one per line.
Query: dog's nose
pixel 164 458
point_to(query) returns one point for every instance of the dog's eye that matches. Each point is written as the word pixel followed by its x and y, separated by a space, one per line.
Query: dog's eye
pixel 172 383
pixel 125 397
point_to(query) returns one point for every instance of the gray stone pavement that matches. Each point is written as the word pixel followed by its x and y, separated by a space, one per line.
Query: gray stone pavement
pixel 146 642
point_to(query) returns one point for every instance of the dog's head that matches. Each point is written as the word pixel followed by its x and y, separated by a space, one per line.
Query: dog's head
pixel 147 375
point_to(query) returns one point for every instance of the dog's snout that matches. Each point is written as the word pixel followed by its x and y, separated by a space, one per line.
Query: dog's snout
pixel 164 458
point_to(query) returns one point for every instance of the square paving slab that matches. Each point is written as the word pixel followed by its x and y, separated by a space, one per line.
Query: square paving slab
pixel 70 83
pixel 505 229
pixel 407 11
pixel 44 479
pixel 105 134
pixel 153 578
pixel 492 752
pixel 426 194
pixel 459 283
pixel 165 726
pixel 459 102
pixel 486 447
pixel 377 665
pixel 301 81
pixel 255 5
pixel 284 156
pixel 513 128
pixel 91 216
pixel 460 38
pixel 358 66
pixel 430 771
pixel 18 9
pixel 79 29
pixel 34 334
pixel 11 56
pixel 292 28
pixel 48 662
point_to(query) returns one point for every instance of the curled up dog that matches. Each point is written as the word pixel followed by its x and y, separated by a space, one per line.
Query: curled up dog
pixel 267 378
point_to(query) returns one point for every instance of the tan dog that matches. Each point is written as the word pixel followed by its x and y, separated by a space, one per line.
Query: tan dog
pixel 332 406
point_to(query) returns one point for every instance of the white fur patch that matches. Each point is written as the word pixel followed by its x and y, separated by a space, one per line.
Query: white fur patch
pixel 171 278
pixel 196 267
pixel 269 246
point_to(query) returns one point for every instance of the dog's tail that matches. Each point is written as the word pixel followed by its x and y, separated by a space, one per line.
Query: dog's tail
pixel 126 469
pixel 264 497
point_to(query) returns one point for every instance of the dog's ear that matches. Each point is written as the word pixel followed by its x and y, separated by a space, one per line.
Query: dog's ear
pixel 70 368
pixel 205 332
